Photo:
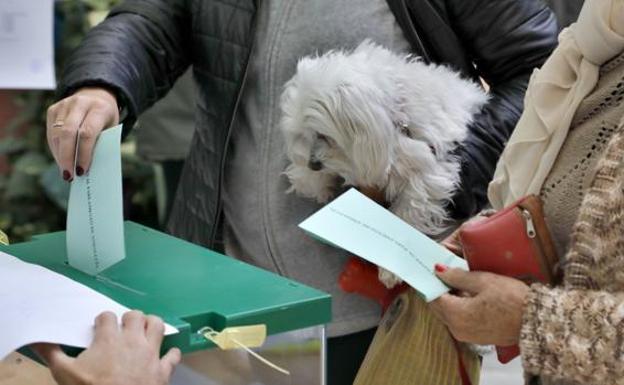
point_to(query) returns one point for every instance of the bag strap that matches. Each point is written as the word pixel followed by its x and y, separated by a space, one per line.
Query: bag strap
pixel 463 373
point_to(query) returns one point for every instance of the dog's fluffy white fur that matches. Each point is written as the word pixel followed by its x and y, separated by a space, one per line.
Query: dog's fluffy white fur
pixel 372 118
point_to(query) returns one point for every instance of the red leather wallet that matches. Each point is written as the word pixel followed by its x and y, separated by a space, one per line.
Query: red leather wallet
pixel 514 242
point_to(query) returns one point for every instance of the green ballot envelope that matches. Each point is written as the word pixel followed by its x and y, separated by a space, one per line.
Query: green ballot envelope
pixel 355 223
pixel 190 287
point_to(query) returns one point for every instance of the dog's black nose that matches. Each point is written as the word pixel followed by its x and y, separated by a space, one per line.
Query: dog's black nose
pixel 315 165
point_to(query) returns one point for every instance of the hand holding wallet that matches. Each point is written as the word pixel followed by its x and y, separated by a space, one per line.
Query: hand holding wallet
pixel 514 242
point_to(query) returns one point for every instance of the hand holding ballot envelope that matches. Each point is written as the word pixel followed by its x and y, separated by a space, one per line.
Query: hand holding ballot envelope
pixel 409 331
pixel 76 121
pixel 481 303
pixel 486 310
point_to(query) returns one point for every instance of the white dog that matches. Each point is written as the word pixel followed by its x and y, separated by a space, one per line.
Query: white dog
pixel 372 118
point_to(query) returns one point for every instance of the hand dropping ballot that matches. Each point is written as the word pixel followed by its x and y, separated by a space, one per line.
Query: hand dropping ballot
pixel 95 231
pixel 360 226
pixel 40 305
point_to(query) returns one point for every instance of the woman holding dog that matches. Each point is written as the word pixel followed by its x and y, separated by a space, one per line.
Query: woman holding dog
pixel 568 148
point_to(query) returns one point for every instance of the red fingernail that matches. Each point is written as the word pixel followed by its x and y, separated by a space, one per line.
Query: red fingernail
pixel 66 175
pixel 440 268
pixel 79 171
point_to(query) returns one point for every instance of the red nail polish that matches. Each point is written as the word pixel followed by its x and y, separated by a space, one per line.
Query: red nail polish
pixel 440 268
pixel 66 175
pixel 79 171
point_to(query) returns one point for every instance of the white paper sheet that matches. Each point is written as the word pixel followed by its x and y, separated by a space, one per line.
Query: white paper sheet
pixel 38 305
pixel 27 44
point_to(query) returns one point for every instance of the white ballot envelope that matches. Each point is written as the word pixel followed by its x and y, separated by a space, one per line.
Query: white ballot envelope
pixel 39 305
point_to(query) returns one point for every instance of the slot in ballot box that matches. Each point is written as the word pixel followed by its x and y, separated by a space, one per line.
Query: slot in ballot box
pixel 191 287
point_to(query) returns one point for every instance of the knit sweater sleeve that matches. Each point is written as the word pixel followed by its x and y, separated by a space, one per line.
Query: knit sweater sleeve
pixel 576 332
pixel 574 335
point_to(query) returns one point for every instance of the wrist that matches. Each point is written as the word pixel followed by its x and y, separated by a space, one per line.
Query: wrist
pixel 521 300
pixel 110 96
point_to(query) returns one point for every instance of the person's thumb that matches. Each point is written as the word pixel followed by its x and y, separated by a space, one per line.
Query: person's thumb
pixel 53 356
pixel 170 360
pixel 460 279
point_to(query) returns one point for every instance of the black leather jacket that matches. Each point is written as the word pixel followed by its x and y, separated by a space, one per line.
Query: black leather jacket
pixel 144 45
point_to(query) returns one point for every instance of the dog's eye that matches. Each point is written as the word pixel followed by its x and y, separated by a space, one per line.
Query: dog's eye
pixel 324 138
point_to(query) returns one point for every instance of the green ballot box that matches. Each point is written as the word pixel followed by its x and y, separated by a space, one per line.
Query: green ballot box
pixel 191 288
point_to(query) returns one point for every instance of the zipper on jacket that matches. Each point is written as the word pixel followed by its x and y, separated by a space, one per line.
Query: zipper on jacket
pixel 530 226
pixel 275 40
pixel 226 144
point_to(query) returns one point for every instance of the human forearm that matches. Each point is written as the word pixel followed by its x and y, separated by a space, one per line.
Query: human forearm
pixel 137 52
pixel 573 334
pixel 130 60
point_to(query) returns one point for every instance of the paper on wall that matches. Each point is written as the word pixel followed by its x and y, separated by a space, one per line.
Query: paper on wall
pixel 357 224
pixel 95 232
pixel 39 305
pixel 27 44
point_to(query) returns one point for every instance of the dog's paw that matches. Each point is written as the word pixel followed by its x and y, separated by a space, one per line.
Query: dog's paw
pixel 481 350
pixel 388 279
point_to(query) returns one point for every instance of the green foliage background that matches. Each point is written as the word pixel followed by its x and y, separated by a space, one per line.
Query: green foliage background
pixel 33 197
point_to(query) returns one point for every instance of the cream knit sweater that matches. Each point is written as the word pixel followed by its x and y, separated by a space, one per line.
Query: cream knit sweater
pixel 595 121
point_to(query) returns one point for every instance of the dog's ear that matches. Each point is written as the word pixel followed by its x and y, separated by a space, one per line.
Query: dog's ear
pixel 369 129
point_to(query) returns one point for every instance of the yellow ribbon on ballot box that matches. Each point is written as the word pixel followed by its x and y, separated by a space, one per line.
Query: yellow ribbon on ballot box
pixel 241 337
